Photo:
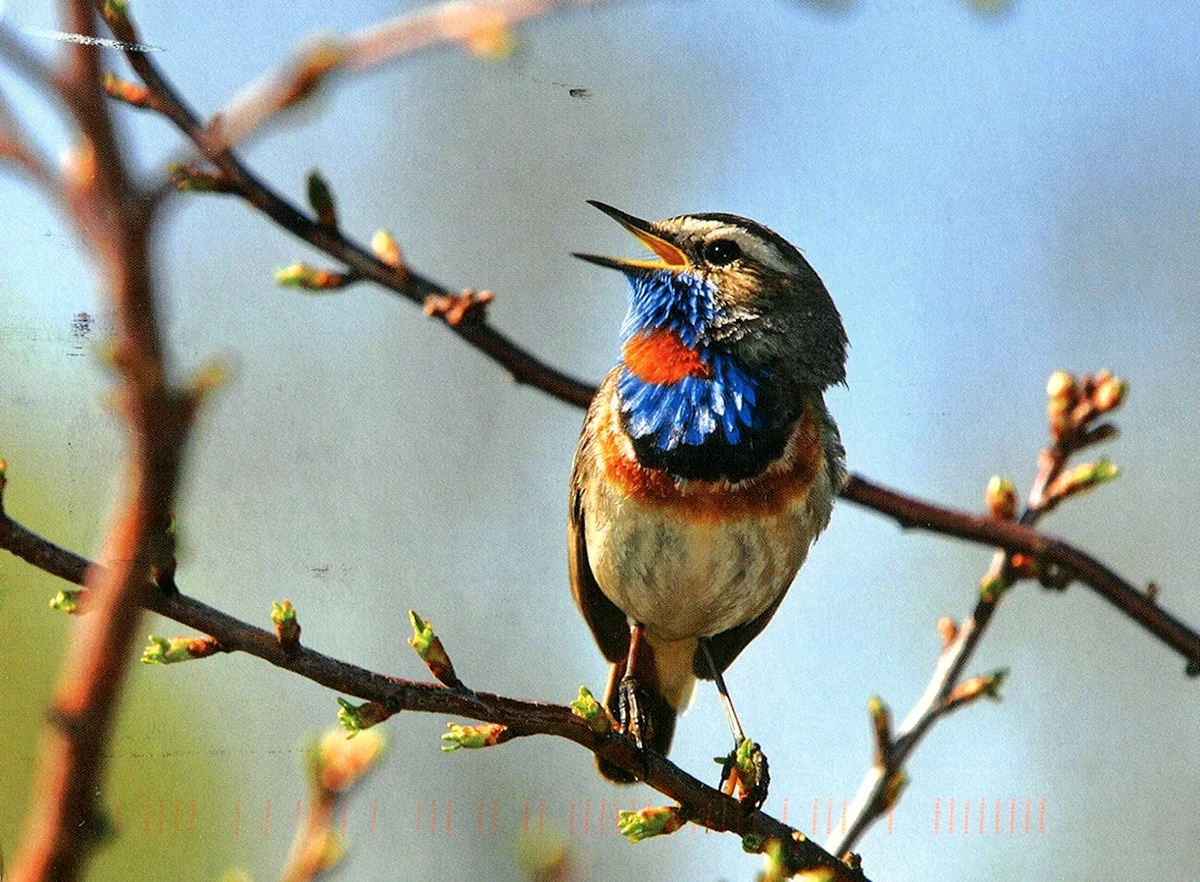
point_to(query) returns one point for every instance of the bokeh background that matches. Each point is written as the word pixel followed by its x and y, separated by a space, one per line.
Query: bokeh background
pixel 989 195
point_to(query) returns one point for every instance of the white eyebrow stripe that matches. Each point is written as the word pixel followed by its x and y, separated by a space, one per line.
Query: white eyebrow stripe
pixel 756 248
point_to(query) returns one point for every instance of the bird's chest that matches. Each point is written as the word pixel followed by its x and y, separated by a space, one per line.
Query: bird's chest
pixel 695 558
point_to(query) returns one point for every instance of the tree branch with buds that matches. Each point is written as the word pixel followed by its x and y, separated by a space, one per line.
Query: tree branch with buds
pixel 1074 407
pixel 386 695
pixel 116 216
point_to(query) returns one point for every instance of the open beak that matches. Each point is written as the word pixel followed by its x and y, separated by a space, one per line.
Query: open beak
pixel 669 256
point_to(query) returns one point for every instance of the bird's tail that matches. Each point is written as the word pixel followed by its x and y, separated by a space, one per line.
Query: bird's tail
pixel 663 672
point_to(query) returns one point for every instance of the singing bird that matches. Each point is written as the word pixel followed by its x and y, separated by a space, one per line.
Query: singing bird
pixel 708 462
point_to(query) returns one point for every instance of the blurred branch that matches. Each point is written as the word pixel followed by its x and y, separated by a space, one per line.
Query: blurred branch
pixel 481 26
pixel 336 764
pixel 15 148
pixel 26 62
pixel 703 804
pixel 113 217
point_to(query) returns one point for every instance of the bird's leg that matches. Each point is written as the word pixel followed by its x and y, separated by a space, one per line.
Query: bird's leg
pixel 745 768
pixel 631 715
pixel 735 725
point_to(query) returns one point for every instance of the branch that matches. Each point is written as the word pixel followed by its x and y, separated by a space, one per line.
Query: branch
pixel 704 805
pixel 481 26
pixel 913 513
pixel 399 279
pixel 15 149
pixel 1074 406
pixel 113 217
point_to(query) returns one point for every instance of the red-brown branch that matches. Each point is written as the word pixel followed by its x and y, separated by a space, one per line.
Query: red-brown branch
pixel 705 805
pixel 112 216
pixel 913 513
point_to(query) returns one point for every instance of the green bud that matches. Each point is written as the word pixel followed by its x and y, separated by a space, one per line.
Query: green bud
pixel 321 199
pixel 753 843
pixel 983 686
pixel 636 826
pixel 190 179
pixel 357 717
pixel 429 649
pixel 591 712
pixel 309 278
pixel 171 650
pixel 992 588
pixel 385 248
pixel 287 629
pixel 1083 478
pixel 474 737
pixel 66 600
pixel 1001 498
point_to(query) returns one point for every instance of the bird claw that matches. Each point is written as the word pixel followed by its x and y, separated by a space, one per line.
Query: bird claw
pixel 746 774
pixel 631 719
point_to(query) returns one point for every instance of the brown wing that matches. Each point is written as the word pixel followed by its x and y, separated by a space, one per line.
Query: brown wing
pixel 609 625
pixel 727 645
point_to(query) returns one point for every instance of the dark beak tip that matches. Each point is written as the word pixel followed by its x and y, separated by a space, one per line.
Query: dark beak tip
pixel 624 218
pixel 601 260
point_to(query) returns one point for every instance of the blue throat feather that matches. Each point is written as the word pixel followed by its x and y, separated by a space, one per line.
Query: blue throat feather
pixel 692 409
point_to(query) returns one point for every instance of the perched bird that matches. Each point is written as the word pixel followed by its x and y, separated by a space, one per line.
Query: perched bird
pixel 707 464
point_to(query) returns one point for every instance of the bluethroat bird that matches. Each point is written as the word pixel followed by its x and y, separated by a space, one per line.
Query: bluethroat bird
pixel 708 462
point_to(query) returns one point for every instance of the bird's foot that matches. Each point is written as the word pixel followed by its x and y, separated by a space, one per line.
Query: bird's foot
pixel 631 716
pixel 745 774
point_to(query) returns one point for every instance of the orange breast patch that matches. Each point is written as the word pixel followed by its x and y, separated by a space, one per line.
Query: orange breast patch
pixel 768 494
pixel 660 357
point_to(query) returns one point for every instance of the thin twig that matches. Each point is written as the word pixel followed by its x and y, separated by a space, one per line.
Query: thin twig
pixel 522 365
pixel 26 62
pixel 1072 415
pixel 913 513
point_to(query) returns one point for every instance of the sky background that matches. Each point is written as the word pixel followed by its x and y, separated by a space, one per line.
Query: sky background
pixel 987 198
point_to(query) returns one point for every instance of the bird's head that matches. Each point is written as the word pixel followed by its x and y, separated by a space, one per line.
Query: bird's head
pixel 729 330
pixel 725 285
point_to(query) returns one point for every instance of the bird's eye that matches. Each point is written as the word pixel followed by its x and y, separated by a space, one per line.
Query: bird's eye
pixel 721 252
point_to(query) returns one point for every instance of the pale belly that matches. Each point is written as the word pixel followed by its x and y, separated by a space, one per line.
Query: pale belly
pixel 683 578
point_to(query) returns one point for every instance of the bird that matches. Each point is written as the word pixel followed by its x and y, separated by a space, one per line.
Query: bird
pixel 707 464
